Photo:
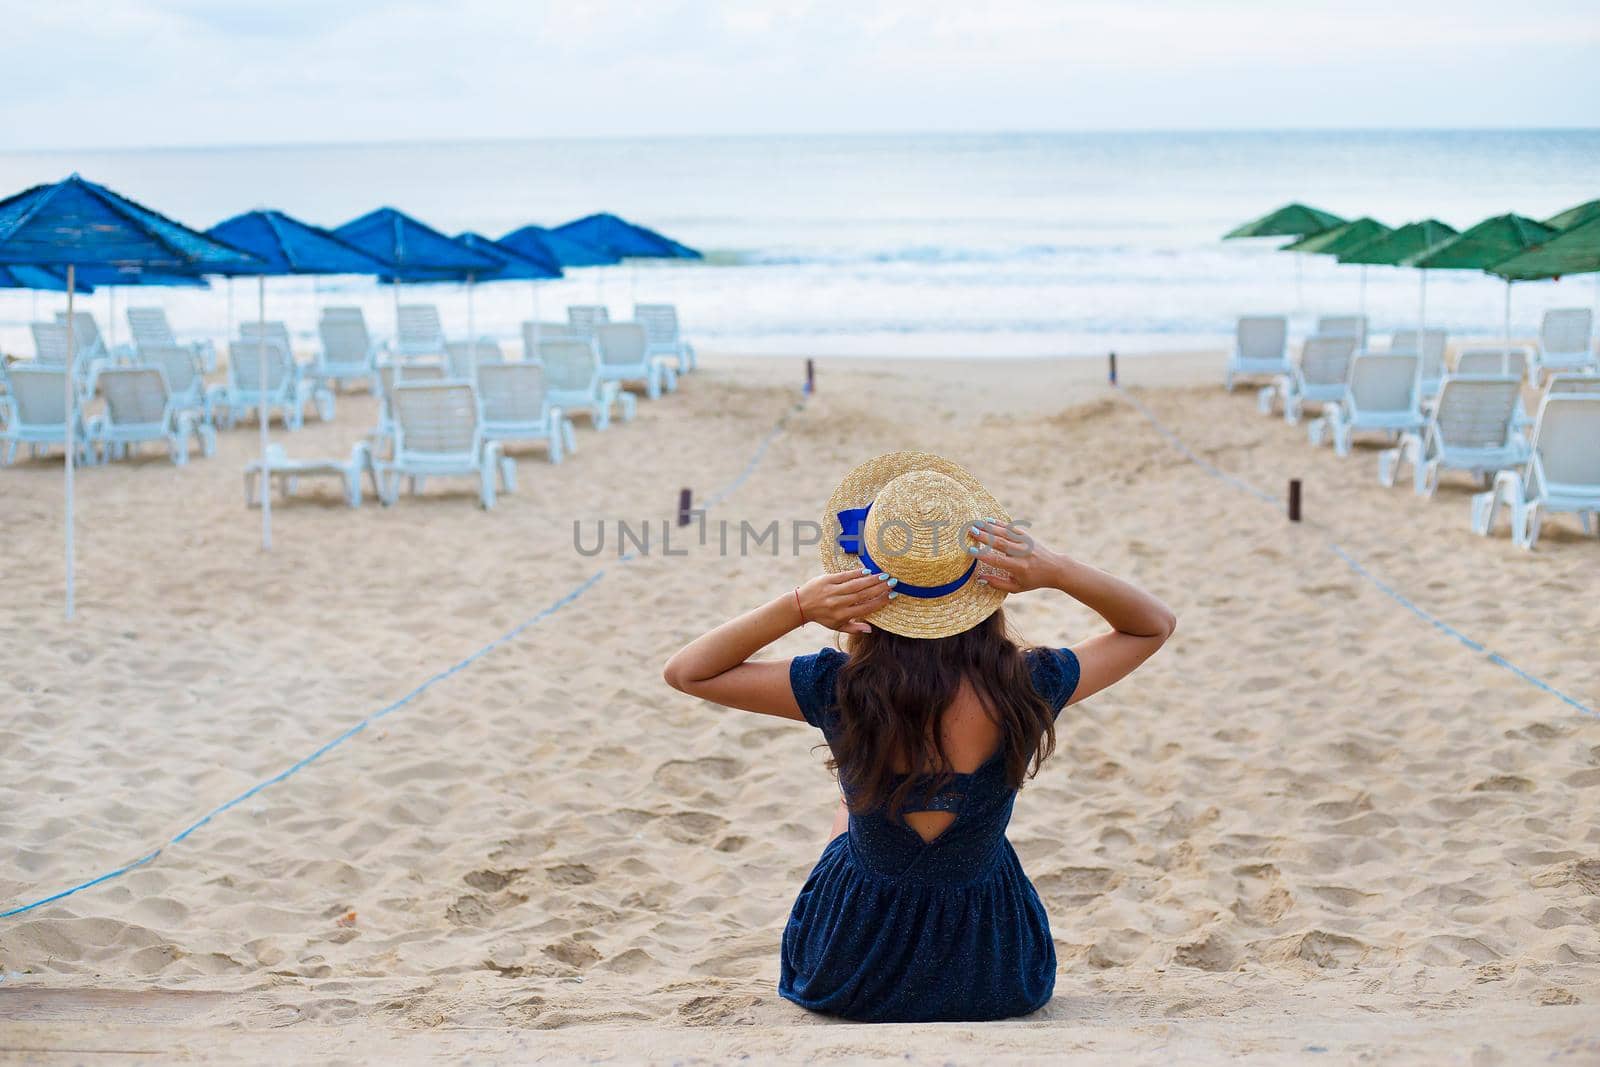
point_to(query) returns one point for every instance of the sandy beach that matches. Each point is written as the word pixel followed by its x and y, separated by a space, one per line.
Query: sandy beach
pixel 1318 826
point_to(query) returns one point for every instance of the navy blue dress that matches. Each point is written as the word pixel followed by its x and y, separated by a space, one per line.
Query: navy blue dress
pixel 890 928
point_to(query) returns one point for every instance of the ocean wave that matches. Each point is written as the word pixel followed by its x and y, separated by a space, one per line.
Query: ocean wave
pixel 912 254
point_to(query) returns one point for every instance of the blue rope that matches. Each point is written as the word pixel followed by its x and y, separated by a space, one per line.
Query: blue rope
pixel 749 468
pixel 389 709
pixel 1361 571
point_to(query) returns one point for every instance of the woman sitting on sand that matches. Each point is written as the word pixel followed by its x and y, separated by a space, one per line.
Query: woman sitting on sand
pixel 919 909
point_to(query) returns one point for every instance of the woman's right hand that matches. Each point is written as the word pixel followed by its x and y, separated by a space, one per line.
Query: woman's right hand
pixel 840 601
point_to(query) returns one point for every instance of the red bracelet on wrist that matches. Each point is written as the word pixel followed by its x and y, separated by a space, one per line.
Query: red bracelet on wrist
pixel 802 610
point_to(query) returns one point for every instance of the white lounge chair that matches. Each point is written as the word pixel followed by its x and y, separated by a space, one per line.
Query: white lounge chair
pixel 1260 347
pixel 287 473
pixel 140 409
pixel 181 366
pixel 1563 384
pixel 1353 325
pixel 625 357
pixel 660 322
pixel 586 319
pixel 536 333
pixel 1318 378
pixel 439 432
pixel 287 389
pixel 421 336
pixel 1432 351
pixel 149 327
pixel 1565 342
pixel 1497 362
pixel 348 353
pixel 464 357
pixel 516 408
pixel 1472 428
pixel 50 350
pixel 573 382
pixel 1381 395
pixel 274 331
pixel 35 408
pixel 86 335
pixel 344 311
pixel 389 374
pixel 1493 361
pixel 1563 473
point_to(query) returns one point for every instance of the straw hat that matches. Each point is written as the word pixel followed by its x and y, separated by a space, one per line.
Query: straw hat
pixel 918 511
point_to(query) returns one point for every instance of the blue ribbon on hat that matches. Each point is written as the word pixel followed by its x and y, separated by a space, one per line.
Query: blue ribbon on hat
pixel 851 521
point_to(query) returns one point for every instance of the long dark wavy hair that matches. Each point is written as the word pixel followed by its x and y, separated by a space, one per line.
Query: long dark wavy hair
pixel 893 694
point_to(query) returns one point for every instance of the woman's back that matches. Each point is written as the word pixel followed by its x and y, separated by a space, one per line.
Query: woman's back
pixel 933 921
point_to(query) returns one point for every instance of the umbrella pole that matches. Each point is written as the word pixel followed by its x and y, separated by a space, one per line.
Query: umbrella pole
pixel 472 328
pixel 1422 319
pixel 534 338
pixel 72 419
pixel 111 314
pixel 1505 350
pixel 395 288
pixel 1363 290
pixel 1299 281
pixel 261 414
pixel 229 331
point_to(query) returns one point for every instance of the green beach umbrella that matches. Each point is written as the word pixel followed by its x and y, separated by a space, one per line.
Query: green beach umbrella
pixel 1574 251
pixel 1481 247
pixel 1575 216
pixel 1342 238
pixel 1396 248
pixel 1345 238
pixel 1290 220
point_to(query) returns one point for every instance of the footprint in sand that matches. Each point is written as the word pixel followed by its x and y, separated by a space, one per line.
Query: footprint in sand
pixel 689 777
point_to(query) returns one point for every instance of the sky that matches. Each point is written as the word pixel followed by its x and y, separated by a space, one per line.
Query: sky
pixel 113 73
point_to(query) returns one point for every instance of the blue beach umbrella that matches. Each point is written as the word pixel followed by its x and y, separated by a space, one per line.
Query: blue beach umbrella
pixel 537 242
pixel 625 240
pixel 541 242
pixel 534 265
pixel 284 245
pixel 531 263
pixel 516 265
pixel 76 223
pixel 38 279
pixel 406 246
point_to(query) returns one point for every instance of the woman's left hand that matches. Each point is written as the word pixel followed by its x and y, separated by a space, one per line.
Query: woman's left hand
pixel 1023 562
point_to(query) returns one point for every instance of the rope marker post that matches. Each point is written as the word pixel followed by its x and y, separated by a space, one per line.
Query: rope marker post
pixel 1294 499
pixel 1112 375
pixel 685 505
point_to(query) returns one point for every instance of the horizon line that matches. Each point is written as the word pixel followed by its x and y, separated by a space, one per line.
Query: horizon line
pixel 225 146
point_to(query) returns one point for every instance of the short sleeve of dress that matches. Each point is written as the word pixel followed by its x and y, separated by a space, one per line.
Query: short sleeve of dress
pixel 1055 675
pixel 812 679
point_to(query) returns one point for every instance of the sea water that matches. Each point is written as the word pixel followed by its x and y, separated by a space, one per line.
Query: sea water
pixel 902 244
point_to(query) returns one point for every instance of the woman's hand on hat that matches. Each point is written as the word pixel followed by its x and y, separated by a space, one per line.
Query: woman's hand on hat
pixel 840 601
pixel 1020 563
